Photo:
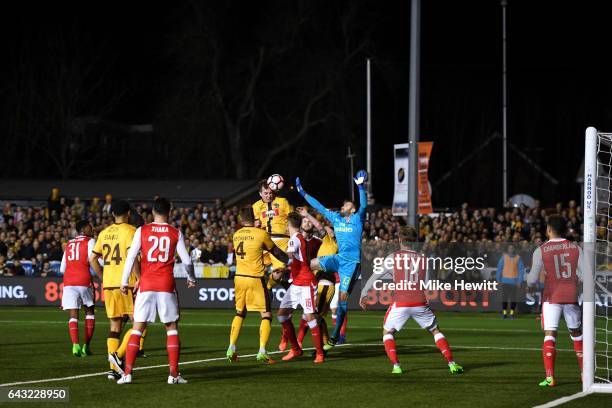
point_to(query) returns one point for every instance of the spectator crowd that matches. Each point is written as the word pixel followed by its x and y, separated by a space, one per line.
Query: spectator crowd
pixel 36 235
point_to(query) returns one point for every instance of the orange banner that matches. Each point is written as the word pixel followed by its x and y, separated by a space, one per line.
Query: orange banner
pixel 424 198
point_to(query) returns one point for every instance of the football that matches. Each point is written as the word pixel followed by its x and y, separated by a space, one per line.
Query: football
pixel 276 182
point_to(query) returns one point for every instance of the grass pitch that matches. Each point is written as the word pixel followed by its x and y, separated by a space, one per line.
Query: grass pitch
pixel 502 359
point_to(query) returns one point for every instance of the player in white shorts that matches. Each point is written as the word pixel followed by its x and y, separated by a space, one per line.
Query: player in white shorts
pixel 409 303
pixel 78 291
pixel 158 244
pixel 564 265
pixel 300 293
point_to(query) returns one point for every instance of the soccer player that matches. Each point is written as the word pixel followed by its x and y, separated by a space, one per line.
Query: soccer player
pixel 301 292
pixel 250 289
pixel 564 264
pixel 316 246
pixel 112 247
pixel 271 215
pixel 159 243
pixel 408 303
pixel 348 225
pixel 78 289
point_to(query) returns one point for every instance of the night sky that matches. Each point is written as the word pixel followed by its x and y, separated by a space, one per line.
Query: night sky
pixel 559 83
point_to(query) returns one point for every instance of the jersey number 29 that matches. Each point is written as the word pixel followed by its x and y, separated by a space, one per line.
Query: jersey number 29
pixel 163 245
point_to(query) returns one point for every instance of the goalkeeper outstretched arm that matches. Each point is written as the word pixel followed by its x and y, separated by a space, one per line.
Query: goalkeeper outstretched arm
pixel 360 179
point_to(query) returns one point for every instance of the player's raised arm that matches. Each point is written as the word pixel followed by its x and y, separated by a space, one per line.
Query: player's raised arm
pixel 536 266
pixel 330 215
pixel 185 260
pixel 360 179
pixel 129 261
pixel 315 223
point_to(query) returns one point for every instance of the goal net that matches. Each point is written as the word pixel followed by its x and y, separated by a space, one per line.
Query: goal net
pixel 597 286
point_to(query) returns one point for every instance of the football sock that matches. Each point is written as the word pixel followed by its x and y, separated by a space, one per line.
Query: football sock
pixel 132 350
pixel 90 325
pixel 341 313
pixel 343 328
pixel 324 331
pixel 578 349
pixel 334 317
pixel 443 347
pixel 390 348
pixel 112 343
pixel 289 331
pixel 548 353
pixel 236 326
pixel 173 348
pixel 315 333
pixel 264 332
pixel 73 330
pixel 302 330
pixel 124 343
pixel 142 339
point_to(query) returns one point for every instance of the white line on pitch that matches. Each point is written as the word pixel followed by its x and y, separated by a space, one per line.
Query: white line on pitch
pixel 208 360
pixel 562 400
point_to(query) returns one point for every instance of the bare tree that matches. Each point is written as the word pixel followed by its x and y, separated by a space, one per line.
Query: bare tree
pixel 269 89
pixel 58 93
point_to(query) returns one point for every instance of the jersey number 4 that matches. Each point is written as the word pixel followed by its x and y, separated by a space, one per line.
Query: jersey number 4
pixel 162 244
pixel 115 256
pixel 240 250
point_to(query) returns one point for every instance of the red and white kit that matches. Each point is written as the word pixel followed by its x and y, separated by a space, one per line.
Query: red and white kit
pixel 410 302
pixel 564 264
pixel 302 290
pixel 77 276
pixel 159 243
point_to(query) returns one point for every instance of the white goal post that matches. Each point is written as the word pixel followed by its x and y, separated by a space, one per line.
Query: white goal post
pixel 597 286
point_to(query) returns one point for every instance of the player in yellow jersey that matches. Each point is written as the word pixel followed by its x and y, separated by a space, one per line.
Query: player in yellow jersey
pixel 250 289
pixel 271 215
pixel 111 247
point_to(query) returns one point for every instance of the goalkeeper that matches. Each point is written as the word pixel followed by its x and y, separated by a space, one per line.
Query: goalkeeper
pixel 347 224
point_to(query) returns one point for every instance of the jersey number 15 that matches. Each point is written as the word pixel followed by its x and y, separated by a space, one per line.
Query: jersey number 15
pixel 563 269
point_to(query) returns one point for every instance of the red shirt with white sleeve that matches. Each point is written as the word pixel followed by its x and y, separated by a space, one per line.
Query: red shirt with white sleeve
pixel 563 263
pixel 75 261
pixel 300 265
pixel 159 243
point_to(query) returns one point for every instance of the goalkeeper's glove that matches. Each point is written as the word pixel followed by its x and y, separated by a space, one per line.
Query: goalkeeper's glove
pixel 360 178
pixel 299 187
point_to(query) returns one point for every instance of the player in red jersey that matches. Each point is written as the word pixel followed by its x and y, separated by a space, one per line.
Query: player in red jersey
pixel 408 303
pixel 301 292
pixel 158 243
pixel 78 290
pixel 564 264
